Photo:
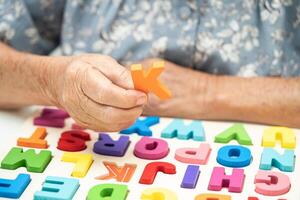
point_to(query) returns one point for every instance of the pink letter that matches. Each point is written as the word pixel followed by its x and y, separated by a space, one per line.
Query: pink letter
pixel 198 155
pixel 271 183
pixel 219 179
pixel 151 148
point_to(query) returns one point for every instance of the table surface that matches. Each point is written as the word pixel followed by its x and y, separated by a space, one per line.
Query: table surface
pixel 11 121
pixel 12 126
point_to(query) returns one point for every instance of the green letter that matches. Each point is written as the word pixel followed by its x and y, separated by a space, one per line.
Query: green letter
pixel 33 162
pixel 108 192
pixel 236 132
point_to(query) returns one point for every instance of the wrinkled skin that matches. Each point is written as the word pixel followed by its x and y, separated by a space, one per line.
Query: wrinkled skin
pixel 176 78
pixel 98 93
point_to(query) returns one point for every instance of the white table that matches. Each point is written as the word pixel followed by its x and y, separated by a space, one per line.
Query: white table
pixel 12 127
pixel 12 120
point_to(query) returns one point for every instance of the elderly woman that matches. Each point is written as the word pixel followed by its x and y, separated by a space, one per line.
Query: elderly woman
pixel 229 60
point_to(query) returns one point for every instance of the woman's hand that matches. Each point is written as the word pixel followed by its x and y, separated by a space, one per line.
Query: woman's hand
pixel 95 90
pixel 191 93
pixel 196 95
pixel 98 93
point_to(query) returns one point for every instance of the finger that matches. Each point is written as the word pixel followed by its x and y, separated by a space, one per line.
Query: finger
pixel 117 115
pixel 102 90
pixel 89 122
pixel 108 114
pixel 117 73
pixel 86 119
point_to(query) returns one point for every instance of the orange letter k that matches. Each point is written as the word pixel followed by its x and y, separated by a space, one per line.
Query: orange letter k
pixel 148 82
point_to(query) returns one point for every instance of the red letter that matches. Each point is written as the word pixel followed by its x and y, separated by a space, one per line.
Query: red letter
pixel 151 170
pixel 73 140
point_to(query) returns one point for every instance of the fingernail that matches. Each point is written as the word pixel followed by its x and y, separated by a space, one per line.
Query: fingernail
pixel 141 100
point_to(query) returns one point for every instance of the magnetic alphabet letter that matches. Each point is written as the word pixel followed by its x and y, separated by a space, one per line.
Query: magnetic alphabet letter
pixel 152 168
pixel 148 82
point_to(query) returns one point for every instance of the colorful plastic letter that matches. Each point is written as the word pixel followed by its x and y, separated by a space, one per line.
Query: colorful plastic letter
pixel 75 126
pixel 83 163
pixel 142 126
pixel 191 176
pixel 158 194
pixel 151 148
pixel 198 155
pixel 52 118
pixel 33 162
pixel 207 196
pixel 284 162
pixel 107 146
pixel 219 179
pixel 55 188
pixel 178 129
pixel 234 156
pixel 271 183
pixel 285 135
pixel 121 174
pixel 147 81
pixel 108 192
pixel 14 188
pixel 152 168
pixel 236 132
pixel 73 140
pixel 36 140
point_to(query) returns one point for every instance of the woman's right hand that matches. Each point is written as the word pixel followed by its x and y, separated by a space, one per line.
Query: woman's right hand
pixel 95 90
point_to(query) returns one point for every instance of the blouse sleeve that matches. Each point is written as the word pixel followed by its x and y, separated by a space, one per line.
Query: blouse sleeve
pixel 31 25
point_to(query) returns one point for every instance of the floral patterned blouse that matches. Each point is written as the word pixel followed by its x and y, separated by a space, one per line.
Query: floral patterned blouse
pixel 235 37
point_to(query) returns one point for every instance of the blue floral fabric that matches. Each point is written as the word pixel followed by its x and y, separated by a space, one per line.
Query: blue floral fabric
pixel 235 37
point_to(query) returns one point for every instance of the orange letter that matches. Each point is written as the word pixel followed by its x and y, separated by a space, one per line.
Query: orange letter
pixel 36 140
pixel 121 174
pixel 148 82
pixel 208 196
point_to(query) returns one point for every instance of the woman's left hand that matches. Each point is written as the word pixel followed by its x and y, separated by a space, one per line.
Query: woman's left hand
pixel 191 92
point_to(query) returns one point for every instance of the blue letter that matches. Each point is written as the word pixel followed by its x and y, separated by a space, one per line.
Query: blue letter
pixel 270 157
pixel 14 188
pixel 178 129
pixel 141 127
pixel 57 188
pixel 234 156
